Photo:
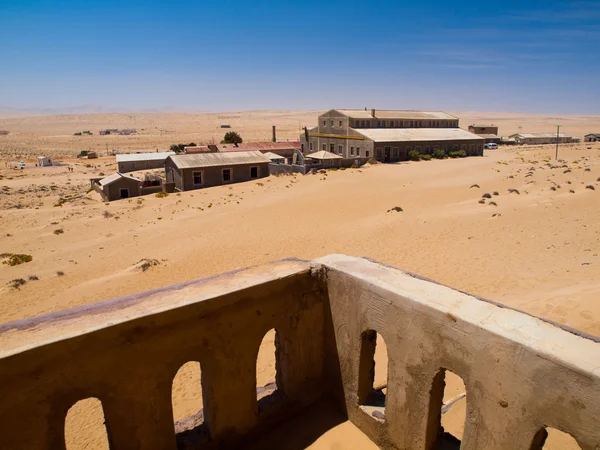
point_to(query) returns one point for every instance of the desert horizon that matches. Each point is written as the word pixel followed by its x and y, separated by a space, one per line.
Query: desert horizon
pixel 533 245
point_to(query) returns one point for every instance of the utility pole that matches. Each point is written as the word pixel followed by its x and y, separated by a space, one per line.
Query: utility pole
pixel 557 139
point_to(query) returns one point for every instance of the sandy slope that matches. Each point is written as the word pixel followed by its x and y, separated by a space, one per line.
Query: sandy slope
pixel 536 250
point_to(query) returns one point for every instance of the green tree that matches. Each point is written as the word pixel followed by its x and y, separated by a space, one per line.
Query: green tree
pixel 231 137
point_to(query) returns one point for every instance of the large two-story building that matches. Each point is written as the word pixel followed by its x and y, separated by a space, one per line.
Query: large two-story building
pixel 387 136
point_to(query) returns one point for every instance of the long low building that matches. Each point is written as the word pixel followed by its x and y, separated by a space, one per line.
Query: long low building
pixel 128 162
pixel 196 171
pixel 541 138
pixel 387 136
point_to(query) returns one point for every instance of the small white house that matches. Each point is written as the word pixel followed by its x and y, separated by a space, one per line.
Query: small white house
pixel 44 161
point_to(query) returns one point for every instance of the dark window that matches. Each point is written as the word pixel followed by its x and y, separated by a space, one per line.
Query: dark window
pixel 340 123
pixel 332 148
pixel 197 177
pixel 253 172
pixel 226 175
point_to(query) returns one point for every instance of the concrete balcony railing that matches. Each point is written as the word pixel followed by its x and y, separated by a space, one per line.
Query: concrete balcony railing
pixel 522 374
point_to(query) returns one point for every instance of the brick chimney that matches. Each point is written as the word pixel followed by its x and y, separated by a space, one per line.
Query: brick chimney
pixel 373 112
pixel 274 134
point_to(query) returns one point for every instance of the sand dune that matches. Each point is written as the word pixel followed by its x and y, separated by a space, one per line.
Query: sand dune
pixel 536 249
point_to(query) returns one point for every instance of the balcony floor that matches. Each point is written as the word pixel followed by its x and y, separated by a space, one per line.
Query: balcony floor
pixel 320 427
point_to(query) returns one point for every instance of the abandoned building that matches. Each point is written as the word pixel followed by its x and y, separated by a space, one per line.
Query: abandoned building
pixel 387 136
pixel 524 376
pixel 195 171
pixel 483 129
pixel 592 137
pixel 44 161
pixel 117 186
pixel 275 158
pixel 129 162
pixel 541 138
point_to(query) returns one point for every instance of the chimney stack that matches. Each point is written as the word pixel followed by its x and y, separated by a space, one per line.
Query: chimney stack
pixel 373 112
pixel 274 134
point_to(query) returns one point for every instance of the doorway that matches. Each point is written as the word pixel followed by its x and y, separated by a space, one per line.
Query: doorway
pixel 387 155
pixel 123 193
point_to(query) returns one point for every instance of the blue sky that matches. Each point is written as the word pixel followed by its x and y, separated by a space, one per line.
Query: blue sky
pixel 205 55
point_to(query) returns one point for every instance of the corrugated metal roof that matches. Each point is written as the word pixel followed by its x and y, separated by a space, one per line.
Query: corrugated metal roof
pixel 197 149
pixel 323 155
pixel 135 157
pixel 417 134
pixel 488 136
pixel 538 135
pixel 260 146
pixel 395 114
pixel 218 159
pixel 116 176
pixel 272 155
pixel 483 126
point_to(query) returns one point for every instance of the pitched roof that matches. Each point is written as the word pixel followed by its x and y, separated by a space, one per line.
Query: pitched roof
pixel 321 155
pixel 488 136
pixel 197 149
pixel 216 159
pixel 538 135
pixel 260 146
pixel 593 134
pixel 417 134
pixel 395 114
pixel 117 176
pixel 149 156
pixel 272 155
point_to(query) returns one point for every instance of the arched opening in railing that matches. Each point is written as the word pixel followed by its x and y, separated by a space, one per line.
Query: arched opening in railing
pixel 553 439
pixel 266 369
pixel 186 398
pixel 447 411
pixel 373 374
pixel 85 426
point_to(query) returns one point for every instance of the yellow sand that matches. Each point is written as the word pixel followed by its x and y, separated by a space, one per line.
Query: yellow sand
pixel 536 250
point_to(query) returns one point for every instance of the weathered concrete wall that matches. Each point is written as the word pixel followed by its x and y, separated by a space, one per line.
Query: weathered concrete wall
pixel 127 351
pixel 521 373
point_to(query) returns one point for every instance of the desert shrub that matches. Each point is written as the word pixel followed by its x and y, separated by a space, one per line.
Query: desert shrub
pixel 60 273
pixel 589 186
pixel 493 204
pixel 496 193
pixel 396 208
pixel 474 185
pixel 482 201
pixel 59 231
pixel 16 259
pixel 438 153
pixel 553 188
pixel 162 194
pixel 355 166
pixel 413 155
pixel 457 154
pixel 571 191
pixel 231 137
pixel 514 191
pixel 17 283
pixel 107 214
pixel 425 157
pixel 486 195
pixel 33 278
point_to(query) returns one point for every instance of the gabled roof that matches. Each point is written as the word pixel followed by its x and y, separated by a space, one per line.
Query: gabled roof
pixel 260 146
pixel 215 159
pixel 395 114
pixel 322 155
pixel 416 134
pixel 538 135
pixel 593 134
pixel 149 156
pixel 272 155
pixel 116 176
pixel 197 149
